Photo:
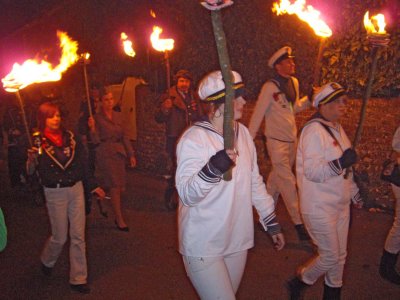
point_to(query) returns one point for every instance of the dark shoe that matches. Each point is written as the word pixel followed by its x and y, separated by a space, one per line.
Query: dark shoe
pixel 296 288
pixel 80 288
pixel 125 229
pixel 46 271
pixel 331 293
pixel 387 267
pixel 302 232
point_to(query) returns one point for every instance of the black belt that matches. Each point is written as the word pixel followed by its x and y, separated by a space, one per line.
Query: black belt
pixel 59 185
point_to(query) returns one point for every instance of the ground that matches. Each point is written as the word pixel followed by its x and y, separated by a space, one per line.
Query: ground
pixel 145 264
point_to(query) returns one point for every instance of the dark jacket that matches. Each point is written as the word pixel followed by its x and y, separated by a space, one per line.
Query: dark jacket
pixel 64 165
pixel 181 115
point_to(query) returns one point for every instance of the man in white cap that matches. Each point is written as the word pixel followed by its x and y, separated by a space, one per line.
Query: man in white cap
pixel 323 155
pixel 277 103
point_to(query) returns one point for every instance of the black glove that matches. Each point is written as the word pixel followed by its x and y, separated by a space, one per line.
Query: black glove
pixel 348 158
pixel 221 161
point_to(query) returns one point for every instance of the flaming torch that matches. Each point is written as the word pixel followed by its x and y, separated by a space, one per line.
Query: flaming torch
pixel 377 38
pixel 312 17
pixel 162 45
pixel 127 44
pixel 34 71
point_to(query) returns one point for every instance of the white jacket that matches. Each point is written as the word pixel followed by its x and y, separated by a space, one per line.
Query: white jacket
pixel 215 217
pixel 279 113
pixel 323 190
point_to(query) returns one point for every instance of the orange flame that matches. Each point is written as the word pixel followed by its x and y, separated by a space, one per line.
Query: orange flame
pixel 127 45
pixel 374 23
pixel 160 44
pixel 33 71
pixel 152 13
pixel 305 13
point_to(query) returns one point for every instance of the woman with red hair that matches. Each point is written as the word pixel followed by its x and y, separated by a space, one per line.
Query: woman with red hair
pixel 60 161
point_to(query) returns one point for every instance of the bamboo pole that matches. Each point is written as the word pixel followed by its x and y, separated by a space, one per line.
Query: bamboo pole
pixel 224 62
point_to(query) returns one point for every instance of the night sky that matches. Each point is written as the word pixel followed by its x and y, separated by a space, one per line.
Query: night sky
pixel 16 13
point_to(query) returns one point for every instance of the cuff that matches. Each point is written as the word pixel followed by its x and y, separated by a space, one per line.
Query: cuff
pixel 210 174
pixel 271 224
pixel 356 198
pixel 336 166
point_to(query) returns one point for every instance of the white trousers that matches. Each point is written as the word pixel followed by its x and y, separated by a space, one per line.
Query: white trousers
pixel 216 277
pixel 329 233
pixel 281 179
pixel 66 205
pixel 392 243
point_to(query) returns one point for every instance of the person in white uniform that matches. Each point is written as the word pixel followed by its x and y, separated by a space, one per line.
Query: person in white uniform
pixel 215 217
pixel 392 245
pixel 323 155
pixel 278 103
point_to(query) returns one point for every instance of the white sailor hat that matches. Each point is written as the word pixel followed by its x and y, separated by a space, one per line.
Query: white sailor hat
pixel 328 93
pixel 278 56
pixel 212 87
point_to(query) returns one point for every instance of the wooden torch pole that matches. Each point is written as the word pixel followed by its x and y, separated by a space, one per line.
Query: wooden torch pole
pixel 226 70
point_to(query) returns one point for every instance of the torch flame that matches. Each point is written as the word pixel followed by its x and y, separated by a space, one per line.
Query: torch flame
pixel 32 71
pixel 377 21
pixel 160 44
pixel 307 14
pixel 127 45
pixel 152 13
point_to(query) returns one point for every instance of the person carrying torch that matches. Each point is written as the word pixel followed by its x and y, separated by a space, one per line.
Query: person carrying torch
pixel 278 103
pixel 179 108
pixel 61 163
pixel 323 154
pixel 215 216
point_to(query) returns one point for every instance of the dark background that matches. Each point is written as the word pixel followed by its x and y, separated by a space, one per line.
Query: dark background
pixel 28 29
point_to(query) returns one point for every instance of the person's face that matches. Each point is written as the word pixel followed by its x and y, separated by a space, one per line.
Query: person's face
pixel 183 84
pixel 238 105
pixel 95 93
pixel 54 122
pixel 108 101
pixel 286 67
pixel 334 110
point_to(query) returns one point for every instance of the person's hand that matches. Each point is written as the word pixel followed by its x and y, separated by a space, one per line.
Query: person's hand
pixel 232 153
pixel 100 193
pixel 358 202
pixel 193 104
pixel 222 161
pixel 167 104
pixel 132 161
pixel 91 123
pixel 279 241
pixel 348 158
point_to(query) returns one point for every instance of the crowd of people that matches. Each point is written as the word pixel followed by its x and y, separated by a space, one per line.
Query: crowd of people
pixel 311 171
